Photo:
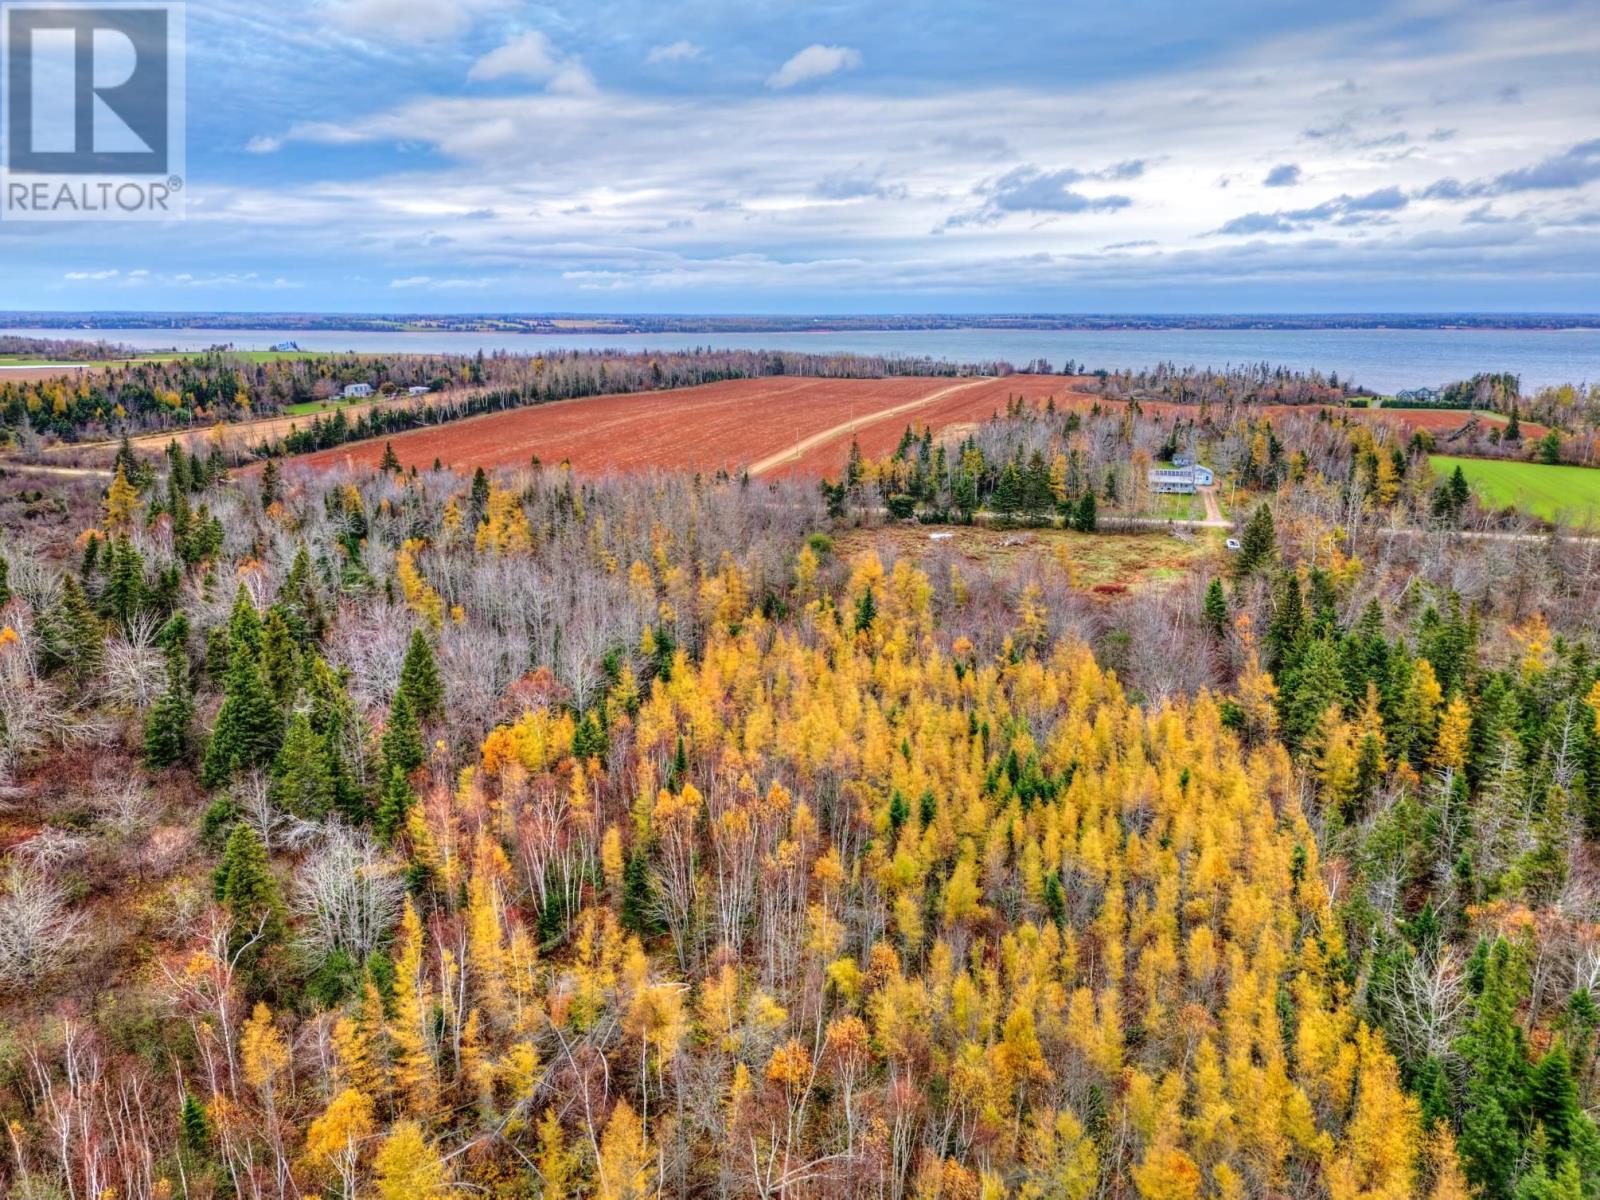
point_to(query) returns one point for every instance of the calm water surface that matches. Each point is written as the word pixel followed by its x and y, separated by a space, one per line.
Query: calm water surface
pixel 1384 359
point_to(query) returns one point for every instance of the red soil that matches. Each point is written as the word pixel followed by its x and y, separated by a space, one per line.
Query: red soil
pixel 720 425
pixel 1438 421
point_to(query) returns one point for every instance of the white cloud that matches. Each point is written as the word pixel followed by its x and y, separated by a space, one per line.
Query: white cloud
pixel 533 57
pixel 814 62
pixel 676 52
pixel 429 283
pixel 264 145
pixel 576 186
pixel 80 276
pixel 409 21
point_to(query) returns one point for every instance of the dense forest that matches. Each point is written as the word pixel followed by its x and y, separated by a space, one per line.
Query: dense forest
pixel 415 835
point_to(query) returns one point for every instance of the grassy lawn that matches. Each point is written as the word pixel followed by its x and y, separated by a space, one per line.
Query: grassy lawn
pixel 1171 506
pixel 312 407
pixel 1570 495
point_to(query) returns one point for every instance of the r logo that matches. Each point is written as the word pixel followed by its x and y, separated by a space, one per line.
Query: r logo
pixel 87 90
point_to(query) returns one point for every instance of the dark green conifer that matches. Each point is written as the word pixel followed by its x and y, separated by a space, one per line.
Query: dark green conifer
pixel 419 679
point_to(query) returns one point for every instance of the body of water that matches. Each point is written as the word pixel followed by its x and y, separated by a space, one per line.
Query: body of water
pixel 1386 360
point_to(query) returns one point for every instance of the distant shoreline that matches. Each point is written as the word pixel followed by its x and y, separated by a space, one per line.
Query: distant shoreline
pixel 622 325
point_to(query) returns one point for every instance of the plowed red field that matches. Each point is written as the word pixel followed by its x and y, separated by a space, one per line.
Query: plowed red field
pixel 772 426
pixel 1439 421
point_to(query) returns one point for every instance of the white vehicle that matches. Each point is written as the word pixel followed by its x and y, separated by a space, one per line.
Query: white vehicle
pixel 1233 544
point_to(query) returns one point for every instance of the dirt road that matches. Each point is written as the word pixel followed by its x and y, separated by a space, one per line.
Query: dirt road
pixel 762 466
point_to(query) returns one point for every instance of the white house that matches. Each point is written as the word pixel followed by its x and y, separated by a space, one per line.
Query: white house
pixel 417 391
pixel 356 391
pixel 1181 480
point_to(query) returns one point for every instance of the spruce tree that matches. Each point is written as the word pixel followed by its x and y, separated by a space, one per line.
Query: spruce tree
pixel 244 624
pixel 1085 516
pixel 301 780
pixel 246 887
pixel 280 659
pixel 166 728
pixel 271 484
pixel 393 805
pixel 298 599
pixel 1495 1062
pixel 638 896
pixel 77 636
pixel 1259 545
pixel 1007 498
pixel 124 591
pixel 866 611
pixel 402 738
pixel 5 581
pixel 192 1120
pixel 1216 610
pixel 390 463
pixel 419 679
pixel 248 727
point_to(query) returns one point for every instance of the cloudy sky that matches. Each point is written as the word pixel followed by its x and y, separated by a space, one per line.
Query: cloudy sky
pixel 880 155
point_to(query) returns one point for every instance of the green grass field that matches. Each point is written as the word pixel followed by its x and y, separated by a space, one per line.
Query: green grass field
pixel 312 407
pixel 1567 495
pixel 1172 506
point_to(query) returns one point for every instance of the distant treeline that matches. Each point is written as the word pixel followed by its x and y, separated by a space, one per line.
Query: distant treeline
pixel 556 323
pixel 60 349
pixel 1248 383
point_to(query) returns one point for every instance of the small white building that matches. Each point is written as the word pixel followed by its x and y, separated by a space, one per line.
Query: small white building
pixel 357 391
pixel 418 391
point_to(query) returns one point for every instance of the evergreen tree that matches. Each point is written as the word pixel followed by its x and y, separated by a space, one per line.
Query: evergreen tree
pixel 244 625
pixel 166 727
pixel 964 494
pixel 246 887
pixel 480 495
pixel 1513 431
pixel 1308 690
pixel 280 659
pixel 638 896
pixel 178 477
pixel 299 602
pixel 1085 516
pixel 1259 545
pixel 393 805
pixel 77 638
pixel 1007 497
pixel 1216 610
pixel 271 484
pixel 248 726
pixel 866 611
pixel 419 679
pixel 1496 1079
pixel 124 590
pixel 192 1120
pixel 1549 448
pixel 390 463
pixel 5 581
pixel 1037 498
pixel 402 738
pixel 302 782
